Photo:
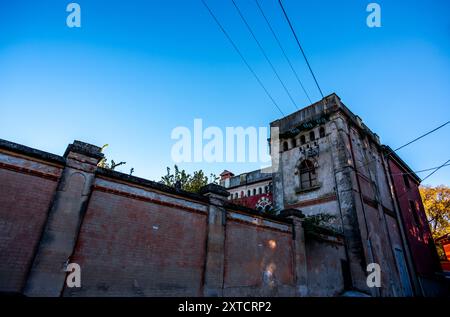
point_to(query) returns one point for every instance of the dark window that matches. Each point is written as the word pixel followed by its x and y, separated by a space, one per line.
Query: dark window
pixel 412 206
pixel 322 132
pixel 285 146
pixel 242 194
pixel 266 189
pixel 308 177
pixel 302 139
pixel 312 136
pixel 248 193
pixel 236 195
pixel 294 142
pixel 406 181
pixel 254 191
pixel 260 190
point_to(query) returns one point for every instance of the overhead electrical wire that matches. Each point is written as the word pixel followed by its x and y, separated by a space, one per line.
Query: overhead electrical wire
pixel 242 57
pixel 300 46
pixel 264 53
pixel 282 50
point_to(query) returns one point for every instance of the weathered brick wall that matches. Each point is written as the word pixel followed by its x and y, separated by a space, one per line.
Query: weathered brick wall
pixel 133 243
pixel 133 237
pixel 258 258
pixel 325 271
pixel 27 186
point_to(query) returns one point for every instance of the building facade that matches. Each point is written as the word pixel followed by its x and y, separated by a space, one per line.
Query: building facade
pixel 325 160
pixel 329 211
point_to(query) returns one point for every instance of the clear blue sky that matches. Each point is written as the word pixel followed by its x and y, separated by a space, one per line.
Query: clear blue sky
pixel 137 69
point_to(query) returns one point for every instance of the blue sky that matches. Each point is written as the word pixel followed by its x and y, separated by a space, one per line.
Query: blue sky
pixel 135 70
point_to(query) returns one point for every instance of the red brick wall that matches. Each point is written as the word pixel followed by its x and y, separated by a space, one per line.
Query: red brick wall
pixel 132 247
pixel 24 203
pixel 252 254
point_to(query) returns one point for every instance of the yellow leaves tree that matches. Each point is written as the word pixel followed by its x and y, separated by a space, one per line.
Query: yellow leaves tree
pixel 436 201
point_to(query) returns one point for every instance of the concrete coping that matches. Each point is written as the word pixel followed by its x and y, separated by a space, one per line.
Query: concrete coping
pixel 31 152
pixel 214 189
pixel 85 149
pixel 290 212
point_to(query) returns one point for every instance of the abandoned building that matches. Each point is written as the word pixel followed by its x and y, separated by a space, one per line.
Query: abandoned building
pixel 135 237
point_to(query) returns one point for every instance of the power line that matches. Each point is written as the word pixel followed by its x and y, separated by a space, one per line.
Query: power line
pixel 242 57
pixel 282 49
pixel 263 52
pixel 438 168
pixel 421 171
pixel 410 142
pixel 422 136
pixel 301 49
pixel 435 170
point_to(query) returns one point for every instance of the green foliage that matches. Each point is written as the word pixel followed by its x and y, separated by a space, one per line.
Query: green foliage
pixel 104 162
pixel 185 181
pixel 318 224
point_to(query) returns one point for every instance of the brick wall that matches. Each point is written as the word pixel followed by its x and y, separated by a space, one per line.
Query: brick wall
pixel 130 246
pixel 27 186
pixel 131 236
pixel 257 259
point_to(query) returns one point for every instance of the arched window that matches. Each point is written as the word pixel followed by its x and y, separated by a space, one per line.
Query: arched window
pixel 236 195
pixel 322 132
pixel 248 193
pixel 285 146
pixel 308 177
pixel 242 194
pixel 260 190
pixel 302 139
pixel 254 191
pixel 266 189
pixel 294 142
pixel 312 136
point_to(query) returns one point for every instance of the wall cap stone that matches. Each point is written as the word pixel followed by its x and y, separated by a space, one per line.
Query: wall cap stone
pixel 85 149
pixel 25 150
pixel 290 212
pixel 214 189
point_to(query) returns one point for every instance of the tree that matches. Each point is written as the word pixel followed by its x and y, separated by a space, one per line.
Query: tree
pixel 104 162
pixel 436 201
pixel 185 181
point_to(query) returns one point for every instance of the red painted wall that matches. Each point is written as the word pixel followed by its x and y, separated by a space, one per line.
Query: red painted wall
pixel 252 201
pixel 419 238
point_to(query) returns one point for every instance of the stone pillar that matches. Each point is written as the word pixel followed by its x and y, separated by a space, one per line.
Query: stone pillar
pixel 47 274
pixel 345 190
pixel 300 263
pixel 215 248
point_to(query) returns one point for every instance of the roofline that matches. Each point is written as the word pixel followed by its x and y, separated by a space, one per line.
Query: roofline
pixel 391 153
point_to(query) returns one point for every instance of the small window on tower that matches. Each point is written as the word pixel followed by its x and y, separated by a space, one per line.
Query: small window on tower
pixel 322 132
pixel 406 181
pixel 415 214
pixel 302 139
